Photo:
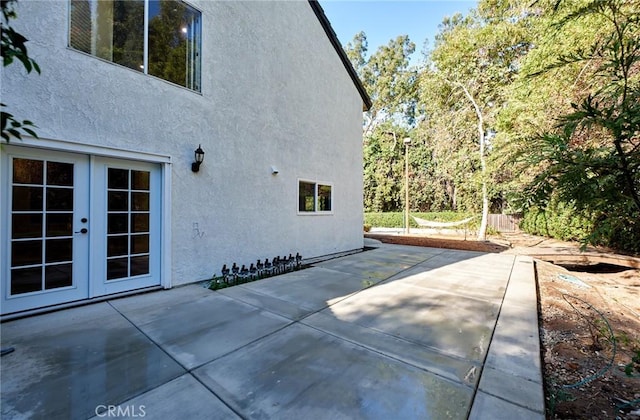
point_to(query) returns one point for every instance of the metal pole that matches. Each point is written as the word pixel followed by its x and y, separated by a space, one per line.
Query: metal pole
pixel 407 142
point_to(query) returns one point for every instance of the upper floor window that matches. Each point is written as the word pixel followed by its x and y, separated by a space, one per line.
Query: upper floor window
pixel 157 37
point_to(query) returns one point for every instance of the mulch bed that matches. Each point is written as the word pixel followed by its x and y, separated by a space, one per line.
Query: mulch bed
pixel 436 242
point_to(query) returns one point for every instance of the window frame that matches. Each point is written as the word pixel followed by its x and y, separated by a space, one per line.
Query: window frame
pixel 145 70
pixel 316 198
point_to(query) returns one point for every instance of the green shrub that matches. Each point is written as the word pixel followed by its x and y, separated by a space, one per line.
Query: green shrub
pixel 388 220
pixel 563 221
pixel 396 219
pixel 559 220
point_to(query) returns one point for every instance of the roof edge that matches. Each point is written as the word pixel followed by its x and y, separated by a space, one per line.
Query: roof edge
pixel 333 38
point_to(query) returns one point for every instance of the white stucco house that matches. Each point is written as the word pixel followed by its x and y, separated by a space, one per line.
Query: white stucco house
pixel 107 201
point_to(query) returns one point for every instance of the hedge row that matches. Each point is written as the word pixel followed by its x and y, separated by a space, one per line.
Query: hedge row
pixel 396 219
pixel 559 220
pixel 562 221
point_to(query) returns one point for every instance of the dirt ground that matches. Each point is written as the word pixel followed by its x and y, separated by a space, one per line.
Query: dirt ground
pixel 589 328
pixel 590 333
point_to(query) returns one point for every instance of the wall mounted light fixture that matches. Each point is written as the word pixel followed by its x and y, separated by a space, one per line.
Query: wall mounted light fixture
pixel 199 156
pixel 274 170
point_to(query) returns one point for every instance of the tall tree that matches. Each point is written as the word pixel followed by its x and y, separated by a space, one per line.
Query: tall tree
pixel 473 59
pixel 384 169
pixel 390 82
pixel 388 78
pixel 591 157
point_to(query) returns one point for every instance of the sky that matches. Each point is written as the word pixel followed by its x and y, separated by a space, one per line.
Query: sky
pixel 383 20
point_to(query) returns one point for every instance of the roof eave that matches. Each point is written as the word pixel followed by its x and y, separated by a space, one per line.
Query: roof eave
pixel 333 38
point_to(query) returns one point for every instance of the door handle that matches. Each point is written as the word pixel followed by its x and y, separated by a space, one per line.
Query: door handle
pixel 83 230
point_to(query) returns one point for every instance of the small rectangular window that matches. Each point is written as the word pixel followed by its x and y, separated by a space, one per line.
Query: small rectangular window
pixel 314 197
pixel 306 196
pixel 168 46
pixel 324 197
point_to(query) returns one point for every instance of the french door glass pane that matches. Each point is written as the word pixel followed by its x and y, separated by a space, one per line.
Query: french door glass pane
pixel 59 199
pixel 27 171
pixel 118 179
pixel 140 244
pixel 117 268
pixel 117 223
pixel 27 225
pixel 139 265
pixel 27 198
pixel 25 280
pixel 118 201
pixel 140 180
pixel 59 250
pixel 59 224
pixel 60 174
pixel 140 201
pixel 26 253
pixel 117 246
pixel 140 222
pixel 59 275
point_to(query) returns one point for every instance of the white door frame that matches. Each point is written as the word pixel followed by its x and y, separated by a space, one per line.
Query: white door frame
pixel 78 289
pixel 164 162
pixel 99 285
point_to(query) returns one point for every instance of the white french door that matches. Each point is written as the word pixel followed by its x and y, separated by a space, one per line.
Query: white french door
pixel 127 206
pixel 76 227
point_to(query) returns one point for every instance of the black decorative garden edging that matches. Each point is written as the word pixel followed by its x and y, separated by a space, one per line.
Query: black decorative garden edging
pixel 259 270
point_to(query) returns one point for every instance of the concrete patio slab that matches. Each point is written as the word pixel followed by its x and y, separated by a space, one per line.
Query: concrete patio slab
pixel 523 392
pixel 69 362
pixel 196 332
pixel 512 377
pixel 396 332
pixel 457 326
pixel 303 373
pixel 311 289
pixel 183 397
pixel 487 406
pixel 385 263
pixel 285 308
pixel 455 369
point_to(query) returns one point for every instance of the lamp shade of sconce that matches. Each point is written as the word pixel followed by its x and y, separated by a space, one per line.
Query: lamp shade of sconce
pixel 274 170
pixel 199 157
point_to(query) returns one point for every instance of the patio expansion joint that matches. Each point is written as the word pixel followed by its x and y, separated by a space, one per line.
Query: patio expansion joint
pixel 399 359
pixel 434 350
pixel 317 311
pixel 511 401
pixel 533 379
pixel 186 370
pixel 299 321
pixel 493 332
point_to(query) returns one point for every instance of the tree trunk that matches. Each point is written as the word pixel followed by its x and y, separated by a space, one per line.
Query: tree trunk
pixel 482 232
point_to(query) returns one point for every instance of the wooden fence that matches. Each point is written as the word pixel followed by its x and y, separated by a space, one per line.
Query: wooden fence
pixel 505 222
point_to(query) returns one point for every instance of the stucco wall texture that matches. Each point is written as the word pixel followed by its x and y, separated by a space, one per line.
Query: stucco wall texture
pixel 274 92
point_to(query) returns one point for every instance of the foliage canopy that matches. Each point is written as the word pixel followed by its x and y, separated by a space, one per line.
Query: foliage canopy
pixel 12 46
pixel 555 87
